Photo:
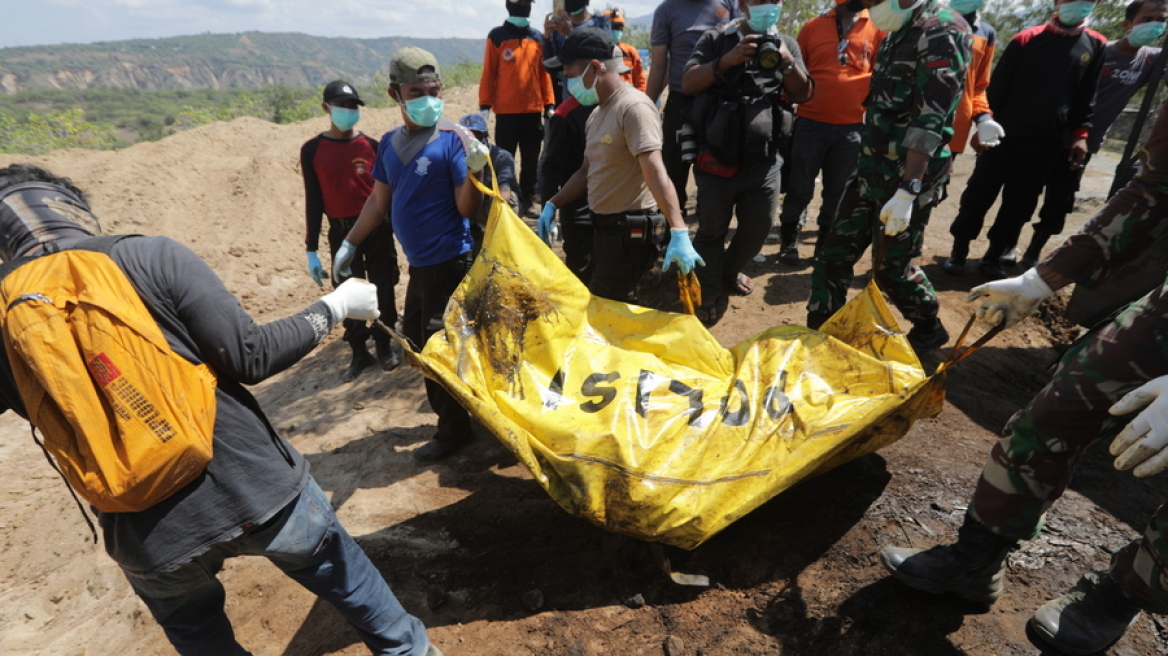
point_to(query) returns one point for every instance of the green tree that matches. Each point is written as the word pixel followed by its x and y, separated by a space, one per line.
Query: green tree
pixel 38 133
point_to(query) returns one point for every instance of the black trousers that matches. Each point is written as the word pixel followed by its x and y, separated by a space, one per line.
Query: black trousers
pixel 1018 168
pixel 525 132
pixel 618 260
pixel 576 229
pixel 670 149
pixel 427 294
pixel 376 262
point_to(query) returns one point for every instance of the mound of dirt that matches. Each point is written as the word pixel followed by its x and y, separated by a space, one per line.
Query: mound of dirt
pixel 475 548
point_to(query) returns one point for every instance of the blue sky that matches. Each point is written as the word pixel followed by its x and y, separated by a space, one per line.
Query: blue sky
pixel 46 22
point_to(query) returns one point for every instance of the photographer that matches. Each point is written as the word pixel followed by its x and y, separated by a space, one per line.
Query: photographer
pixel 737 75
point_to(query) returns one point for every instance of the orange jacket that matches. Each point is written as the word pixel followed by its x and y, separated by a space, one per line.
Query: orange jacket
pixel 840 89
pixel 514 80
pixel 636 74
pixel 973 100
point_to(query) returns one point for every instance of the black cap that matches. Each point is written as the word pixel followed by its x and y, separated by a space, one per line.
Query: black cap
pixel 583 43
pixel 341 91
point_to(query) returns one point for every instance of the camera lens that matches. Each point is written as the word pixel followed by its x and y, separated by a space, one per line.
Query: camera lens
pixel 768 55
pixel 687 139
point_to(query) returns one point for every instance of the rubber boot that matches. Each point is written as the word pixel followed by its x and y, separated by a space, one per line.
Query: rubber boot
pixel 991 266
pixel 971 568
pixel 361 360
pixel 1086 620
pixel 1033 253
pixel 789 244
pixel 927 334
pixel 955 264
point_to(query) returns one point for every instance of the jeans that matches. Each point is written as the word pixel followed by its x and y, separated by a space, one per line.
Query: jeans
pixel 752 196
pixel 832 149
pixel 307 542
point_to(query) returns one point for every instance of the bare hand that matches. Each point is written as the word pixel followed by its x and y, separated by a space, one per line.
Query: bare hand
pixel 1078 153
pixel 745 51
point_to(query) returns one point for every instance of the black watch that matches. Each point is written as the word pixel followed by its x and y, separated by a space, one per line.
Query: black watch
pixel 911 186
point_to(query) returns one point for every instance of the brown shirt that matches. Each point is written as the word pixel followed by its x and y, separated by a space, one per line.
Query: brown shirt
pixel 622 127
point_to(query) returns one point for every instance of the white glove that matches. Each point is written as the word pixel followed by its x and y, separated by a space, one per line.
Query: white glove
pixel 356 298
pixel 990 133
pixel 1011 300
pixel 1141 443
pixel 477 156
pixel 897 212
pixel 486 114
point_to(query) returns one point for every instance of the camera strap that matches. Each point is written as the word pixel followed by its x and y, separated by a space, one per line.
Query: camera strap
pixel 841 49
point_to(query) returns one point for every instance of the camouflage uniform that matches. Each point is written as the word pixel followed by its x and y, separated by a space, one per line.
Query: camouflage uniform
pixel 918 79
pixel 1031 467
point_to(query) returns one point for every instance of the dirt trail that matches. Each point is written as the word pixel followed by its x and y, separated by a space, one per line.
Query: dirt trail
pixel 466 542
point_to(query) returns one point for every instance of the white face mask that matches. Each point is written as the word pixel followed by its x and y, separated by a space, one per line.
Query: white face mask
pixel 888 15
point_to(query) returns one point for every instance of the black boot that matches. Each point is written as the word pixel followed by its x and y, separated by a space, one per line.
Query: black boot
pixel 927 334
pixel 1086 620
pixel 441 447
pixel 361 360
pixel 387 354
pixel 971 568
pixel 955 264
pixel 789 244
pixel 991 266
pixel 1033 253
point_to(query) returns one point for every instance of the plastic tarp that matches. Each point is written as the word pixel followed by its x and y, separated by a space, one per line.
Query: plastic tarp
pixel 639 420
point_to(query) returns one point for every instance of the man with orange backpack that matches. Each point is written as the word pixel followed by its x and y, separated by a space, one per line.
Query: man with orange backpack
pixel 252 494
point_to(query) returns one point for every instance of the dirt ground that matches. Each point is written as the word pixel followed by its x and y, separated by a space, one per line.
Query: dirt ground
pixel 477 550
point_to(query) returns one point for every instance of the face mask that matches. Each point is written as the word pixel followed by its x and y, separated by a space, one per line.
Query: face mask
pixel 344 118
pixel 965 7
pixel 763 16
pixel 616 35
pixel 888 15
pixel 424 111
pixel 586 95
pixel 1075 12
pixel 1145 33
pixel 519 21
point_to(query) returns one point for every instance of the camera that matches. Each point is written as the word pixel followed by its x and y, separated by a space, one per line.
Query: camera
pixel 687 138
pixel 768 56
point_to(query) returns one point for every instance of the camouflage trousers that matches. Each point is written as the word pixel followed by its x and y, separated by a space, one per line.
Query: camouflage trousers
pixel 1030 468
pixel 855 227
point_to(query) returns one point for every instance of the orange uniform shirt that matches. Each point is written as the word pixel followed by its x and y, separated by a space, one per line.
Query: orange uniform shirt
pixel 636 74
pixel 973 99
pixel 514 80
pixel 840 89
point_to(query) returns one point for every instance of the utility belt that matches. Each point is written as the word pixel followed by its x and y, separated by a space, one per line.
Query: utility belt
pixel 639 226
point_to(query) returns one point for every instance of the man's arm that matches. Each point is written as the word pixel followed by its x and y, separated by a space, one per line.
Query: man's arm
pixel 313 198
pixel 657 180
pixel 659 71
pixel 1082 110
pixel 940 81
pixel 705 69
pixel 574 188
pixel 1003 77
pixel 797 83
pixel 376 207
pixel 488 78
pixel 468 197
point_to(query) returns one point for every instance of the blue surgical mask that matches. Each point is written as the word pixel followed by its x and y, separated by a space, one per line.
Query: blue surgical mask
pixel 1075 12
pixel 586 95
pixel 616 35
pixel 424 111
pixel 966 7
pixel 343 117
pixel 763 16
pixel 519 21
pixel 1145 33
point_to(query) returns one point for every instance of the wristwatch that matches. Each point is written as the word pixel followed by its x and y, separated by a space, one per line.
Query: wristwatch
pixel 911 186
pixel 787 69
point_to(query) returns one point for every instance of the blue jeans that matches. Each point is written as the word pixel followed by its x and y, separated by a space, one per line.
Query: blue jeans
pixel 307 542
pixel 820 146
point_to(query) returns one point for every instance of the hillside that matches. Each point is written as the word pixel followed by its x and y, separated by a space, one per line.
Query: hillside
pixel 213 61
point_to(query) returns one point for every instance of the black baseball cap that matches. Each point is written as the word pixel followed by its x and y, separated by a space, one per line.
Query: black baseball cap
pixel 341 91
pixel 583 43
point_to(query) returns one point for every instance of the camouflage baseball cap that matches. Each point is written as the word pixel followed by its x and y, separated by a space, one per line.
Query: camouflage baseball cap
pixel 406 66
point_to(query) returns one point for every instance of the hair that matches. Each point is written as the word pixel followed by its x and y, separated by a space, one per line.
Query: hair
pixel 20 173
pixel 1134 8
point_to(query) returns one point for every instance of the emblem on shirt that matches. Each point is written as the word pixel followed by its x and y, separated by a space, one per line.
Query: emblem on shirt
pixel 360 164
pixel 606 139
pixel 423 165
pixel 508 54
pixel 1085 58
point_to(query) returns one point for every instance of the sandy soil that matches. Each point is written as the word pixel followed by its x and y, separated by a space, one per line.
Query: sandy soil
pixel 466 543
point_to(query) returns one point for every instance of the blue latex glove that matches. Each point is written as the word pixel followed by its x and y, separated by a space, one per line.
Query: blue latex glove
pixel 315 269
pixel 681 251
pixel 343 259
pixel 546 218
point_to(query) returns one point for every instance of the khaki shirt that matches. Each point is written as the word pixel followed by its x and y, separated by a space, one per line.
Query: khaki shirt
pixel 622 127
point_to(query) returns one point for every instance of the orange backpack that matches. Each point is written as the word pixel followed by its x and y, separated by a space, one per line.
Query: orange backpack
pixel 128 421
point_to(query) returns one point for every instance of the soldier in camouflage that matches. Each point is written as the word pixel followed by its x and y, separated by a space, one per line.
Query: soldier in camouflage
pixel 1099 386
pixel 917 81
